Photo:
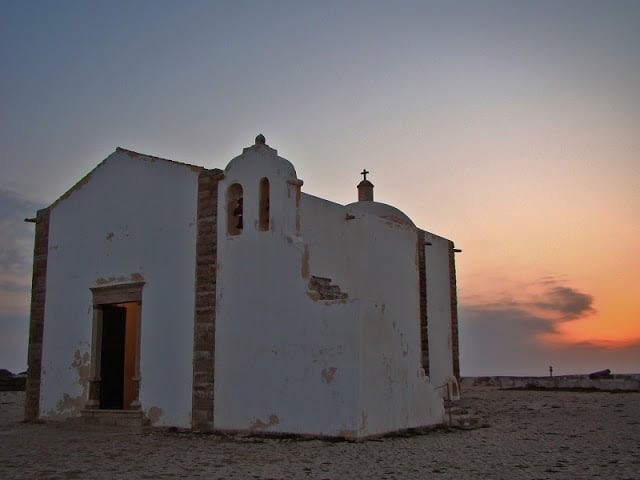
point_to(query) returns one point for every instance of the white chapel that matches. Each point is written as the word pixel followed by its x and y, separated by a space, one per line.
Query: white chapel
pixel 229 300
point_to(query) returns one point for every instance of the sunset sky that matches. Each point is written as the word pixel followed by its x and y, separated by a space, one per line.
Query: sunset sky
pixel 511 127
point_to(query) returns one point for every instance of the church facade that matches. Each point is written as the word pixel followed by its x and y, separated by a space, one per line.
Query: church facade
pixel 229 300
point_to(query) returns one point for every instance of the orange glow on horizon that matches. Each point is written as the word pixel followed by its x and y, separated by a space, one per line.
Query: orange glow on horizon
pixel 615 325
pixel 611 321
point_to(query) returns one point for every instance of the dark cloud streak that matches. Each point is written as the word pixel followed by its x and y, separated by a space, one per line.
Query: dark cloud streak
pixel 502 336
pixel 16 250
pixel 569 303
pixel 13 342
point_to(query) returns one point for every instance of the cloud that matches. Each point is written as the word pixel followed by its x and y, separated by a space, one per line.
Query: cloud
pixel 501 340
pixel 16 236
pixel 14 332
pixel 11 286
pixel 567 302
pixel 504 341
pixel 547 298
pixel 506 318
pixel 16 250
pixel 503 335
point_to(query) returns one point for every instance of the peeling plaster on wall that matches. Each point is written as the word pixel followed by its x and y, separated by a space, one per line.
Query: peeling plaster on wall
pixel 298 194
pixel 82 364
pixel 305 262
pixel 70 405
pixel 132 277
pixel 153 414
pixel 67 407
pixel 324 289
pixel 260 425
pixel 327 374
pixel 315 296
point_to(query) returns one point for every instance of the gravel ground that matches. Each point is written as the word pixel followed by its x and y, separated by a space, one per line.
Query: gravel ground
pixel 524 434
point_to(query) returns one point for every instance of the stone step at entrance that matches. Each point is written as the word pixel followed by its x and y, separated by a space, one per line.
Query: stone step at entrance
pixel 113 418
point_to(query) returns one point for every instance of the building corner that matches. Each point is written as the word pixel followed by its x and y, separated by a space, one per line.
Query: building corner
pixel 205 301
pixel 36 322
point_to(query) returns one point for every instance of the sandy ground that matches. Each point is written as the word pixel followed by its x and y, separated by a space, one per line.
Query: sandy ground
pixel 526 434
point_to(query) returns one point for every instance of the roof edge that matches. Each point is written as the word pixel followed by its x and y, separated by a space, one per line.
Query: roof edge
pixel 85 179
pixel 134 154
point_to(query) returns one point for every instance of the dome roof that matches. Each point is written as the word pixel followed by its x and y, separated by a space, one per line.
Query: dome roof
pixel 382 210
pixel 262 159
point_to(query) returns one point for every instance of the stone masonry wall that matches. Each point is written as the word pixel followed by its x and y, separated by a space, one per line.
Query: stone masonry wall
pixel 454 311
pixel 205 302
pixel 424 332
pixel 323 289
pixel 36 325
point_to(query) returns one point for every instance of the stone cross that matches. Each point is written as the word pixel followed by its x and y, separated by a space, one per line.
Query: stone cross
pixel 364 173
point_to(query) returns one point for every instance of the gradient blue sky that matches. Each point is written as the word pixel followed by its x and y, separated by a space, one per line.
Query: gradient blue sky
pixel 511 127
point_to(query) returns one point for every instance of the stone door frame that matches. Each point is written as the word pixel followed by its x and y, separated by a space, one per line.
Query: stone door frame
pixel 110 295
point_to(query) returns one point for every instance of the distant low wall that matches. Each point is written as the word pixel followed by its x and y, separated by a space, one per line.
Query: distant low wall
pixel 10 382
pixel 627 383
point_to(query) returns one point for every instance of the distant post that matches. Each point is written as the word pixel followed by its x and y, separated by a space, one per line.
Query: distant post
pixel 550 371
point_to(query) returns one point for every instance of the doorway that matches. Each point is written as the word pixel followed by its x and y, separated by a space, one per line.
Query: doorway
pixel 118 355
pixel 114 382
pixel 114 321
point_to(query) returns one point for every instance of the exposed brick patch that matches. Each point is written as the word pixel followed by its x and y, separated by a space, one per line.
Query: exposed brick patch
pixel 36 324
pixel 205 302
pixel 454 311
pixel 422 283
pixel 323 289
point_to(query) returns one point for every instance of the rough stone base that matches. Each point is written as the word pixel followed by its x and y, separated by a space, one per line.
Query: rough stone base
pixel 113 418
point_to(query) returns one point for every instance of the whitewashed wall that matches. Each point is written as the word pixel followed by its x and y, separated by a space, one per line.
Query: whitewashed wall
pixel 283 363
pixel 288 363
pixel 439 310
pixel 132 219
pixel 374 255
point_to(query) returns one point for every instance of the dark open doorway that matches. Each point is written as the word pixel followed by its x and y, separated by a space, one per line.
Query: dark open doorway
pixel 114 382
pixel 113 357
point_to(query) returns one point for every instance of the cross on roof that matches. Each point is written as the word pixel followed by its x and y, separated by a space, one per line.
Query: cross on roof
pixel 364 173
